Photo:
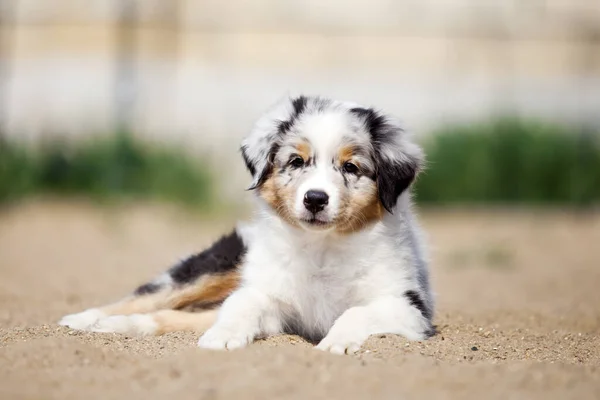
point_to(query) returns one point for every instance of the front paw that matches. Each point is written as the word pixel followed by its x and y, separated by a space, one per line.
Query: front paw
pixel 224 338
pixel 341 342
pixel 83 320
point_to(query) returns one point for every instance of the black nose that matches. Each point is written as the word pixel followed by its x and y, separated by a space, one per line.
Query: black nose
pixel 315 200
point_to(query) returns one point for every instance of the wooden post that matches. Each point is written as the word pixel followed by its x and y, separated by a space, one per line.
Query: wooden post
pixel 6 23
pixel 125 55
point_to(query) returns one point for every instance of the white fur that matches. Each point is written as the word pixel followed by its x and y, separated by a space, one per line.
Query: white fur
pixel 261 134
pixel 95 320
pixel 341 288
pixel 318 180
pixel 163 280
pixel 135 324
pixel 83 320
pixel 345 288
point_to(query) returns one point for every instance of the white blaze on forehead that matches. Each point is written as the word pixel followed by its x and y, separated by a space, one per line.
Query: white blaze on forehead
pixel 325 131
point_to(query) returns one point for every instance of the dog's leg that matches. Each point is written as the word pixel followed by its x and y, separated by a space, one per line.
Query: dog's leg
pixel 246 315
pixel 208 290
pixel 204 279
pixel 395 315
pixel 157 323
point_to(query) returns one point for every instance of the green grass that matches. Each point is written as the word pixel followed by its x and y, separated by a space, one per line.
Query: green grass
pixel 111 167
pixel 506 161
pixel 510 161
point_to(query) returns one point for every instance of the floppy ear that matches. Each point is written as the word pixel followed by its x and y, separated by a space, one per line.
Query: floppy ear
pixel 261 145
pixel 259 166
pixel 397 159
pixel 395 175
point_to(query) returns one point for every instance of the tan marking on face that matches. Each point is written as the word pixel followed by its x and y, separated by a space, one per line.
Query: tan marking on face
pixel 268 191
pixel 279 198
pixel 303 150
pixel 359 211
pixel 345 154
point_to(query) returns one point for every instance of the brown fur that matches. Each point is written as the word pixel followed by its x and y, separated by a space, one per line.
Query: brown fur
pixel 345 154
pixel 356 212
pixel 303 150
pixel 175 320
pixel 278 198
pixel 208 290
pixel 359 211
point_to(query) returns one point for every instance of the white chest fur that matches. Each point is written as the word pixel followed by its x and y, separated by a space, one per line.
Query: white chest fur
pixel 316 278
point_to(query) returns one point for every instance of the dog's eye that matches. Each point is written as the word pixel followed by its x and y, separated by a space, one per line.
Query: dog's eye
pixel 297 162
pixel 350 168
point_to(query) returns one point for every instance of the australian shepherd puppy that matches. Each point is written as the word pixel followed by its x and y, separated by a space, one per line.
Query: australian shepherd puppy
pixel 333 252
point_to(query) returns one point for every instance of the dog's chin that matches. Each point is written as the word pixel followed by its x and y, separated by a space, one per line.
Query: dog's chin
pixel 313 223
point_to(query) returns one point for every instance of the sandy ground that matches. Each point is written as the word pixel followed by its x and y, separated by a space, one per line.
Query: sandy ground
pixel 518 314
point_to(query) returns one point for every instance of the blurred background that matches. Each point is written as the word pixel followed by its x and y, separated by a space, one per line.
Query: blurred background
pixel 120 122
pixel 144 98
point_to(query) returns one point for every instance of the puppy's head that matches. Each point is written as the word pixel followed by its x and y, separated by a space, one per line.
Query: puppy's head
pixel 328 165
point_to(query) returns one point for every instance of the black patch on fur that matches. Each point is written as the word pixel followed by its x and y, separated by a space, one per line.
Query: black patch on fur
pixel 392 177
pixel 299 105
pixel 415 300
pixel 373 121
pixel 247 161
pixel 392 180
pixel 269 168
pixel 266 172
pixel 321 103
pixel 345 180
pixel 431 331
pixel 223 256
pixel 202 306
pixel 148 288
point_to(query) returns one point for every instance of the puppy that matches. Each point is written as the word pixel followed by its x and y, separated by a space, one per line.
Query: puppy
pixel 333 252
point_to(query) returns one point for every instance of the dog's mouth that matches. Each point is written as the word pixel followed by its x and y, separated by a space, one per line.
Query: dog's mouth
pixel 315 223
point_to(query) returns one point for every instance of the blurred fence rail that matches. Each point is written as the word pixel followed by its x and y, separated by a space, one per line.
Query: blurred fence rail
pixel 201 71
pixel 495 18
